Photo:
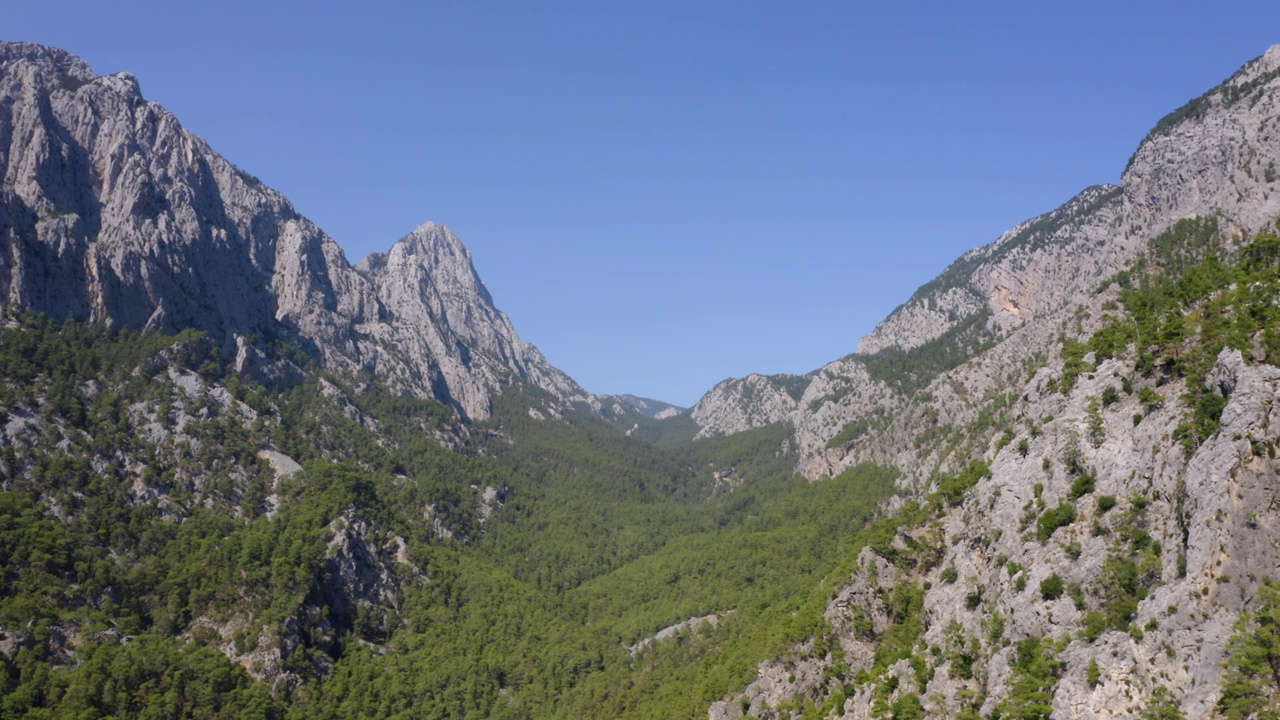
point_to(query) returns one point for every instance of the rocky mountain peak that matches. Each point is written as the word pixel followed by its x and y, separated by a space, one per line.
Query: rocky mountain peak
pixel 437 251
pixel 431 237
pixel 436 306
pixel 111 211
pixel 54 62
pixel 427 240
pixel 1271 58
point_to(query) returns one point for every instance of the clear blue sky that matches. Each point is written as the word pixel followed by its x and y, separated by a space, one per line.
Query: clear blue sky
pixel 665 194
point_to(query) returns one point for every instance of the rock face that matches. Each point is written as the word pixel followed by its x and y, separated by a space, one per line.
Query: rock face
pixel 1209 157
pixel 111 211
pixel 438 309
pixel 1216 156
pixel 736 405
pixel 1192 507
pixel 1029 271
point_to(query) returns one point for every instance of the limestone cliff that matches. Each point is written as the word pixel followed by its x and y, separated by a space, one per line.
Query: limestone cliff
pixel 754 401
pixel 438 309
pixel 110 210
pixel 1215 156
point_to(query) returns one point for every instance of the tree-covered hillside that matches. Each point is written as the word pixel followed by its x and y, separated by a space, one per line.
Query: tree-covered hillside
pixel 161 558
pixel 164 555
pixel 1044 487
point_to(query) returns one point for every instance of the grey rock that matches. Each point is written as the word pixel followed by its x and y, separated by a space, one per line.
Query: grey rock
pixel 671 631
pixel 111 211
pixel 737 405
pixel 442 325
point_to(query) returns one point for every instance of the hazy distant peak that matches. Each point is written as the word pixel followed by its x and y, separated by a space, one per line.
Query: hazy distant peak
pixel 649 407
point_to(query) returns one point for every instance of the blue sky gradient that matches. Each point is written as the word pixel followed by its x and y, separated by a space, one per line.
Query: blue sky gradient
pixel 665 194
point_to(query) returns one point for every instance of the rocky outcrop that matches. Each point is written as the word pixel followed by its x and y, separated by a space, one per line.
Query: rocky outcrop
pixel 356 587
pixel 671 631
pixel 439 317
pixel 840 394
pixel 1213 514
pixel 736 405
pixel 1217 155
pixel 1032 269
pixel 111 211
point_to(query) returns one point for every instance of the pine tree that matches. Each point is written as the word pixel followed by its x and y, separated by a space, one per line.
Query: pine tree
pixel 1252 677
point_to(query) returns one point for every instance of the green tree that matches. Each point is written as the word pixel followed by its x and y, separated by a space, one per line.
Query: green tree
pixel 1162 706
pixel 1051 588
pixel 1036 670
pixel 1093 674
pixel 1252 678
pixel 1150 399
pixel 1051 520
pixel 1093 419
pixel 908 707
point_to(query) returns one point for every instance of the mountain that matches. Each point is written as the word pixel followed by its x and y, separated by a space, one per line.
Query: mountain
pixel 110 211
pixel 1084 410
pixel 1215 156
pixel 242 478
pixel 650 408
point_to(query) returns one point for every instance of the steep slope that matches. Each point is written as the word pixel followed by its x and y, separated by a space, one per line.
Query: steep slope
pixel 111 211
pixel 1123 532
pixel 437 308
pixel 1094 532
pixel 736 405
pixel 1216 156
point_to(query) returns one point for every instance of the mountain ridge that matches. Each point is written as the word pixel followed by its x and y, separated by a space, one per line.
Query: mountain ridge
pixel 1037 267
pixel 1050 490
pixel 160 231
pixel 1054 453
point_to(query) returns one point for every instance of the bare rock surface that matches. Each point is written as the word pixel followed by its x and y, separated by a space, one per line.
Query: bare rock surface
pixel 736 405
pixel 111 211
